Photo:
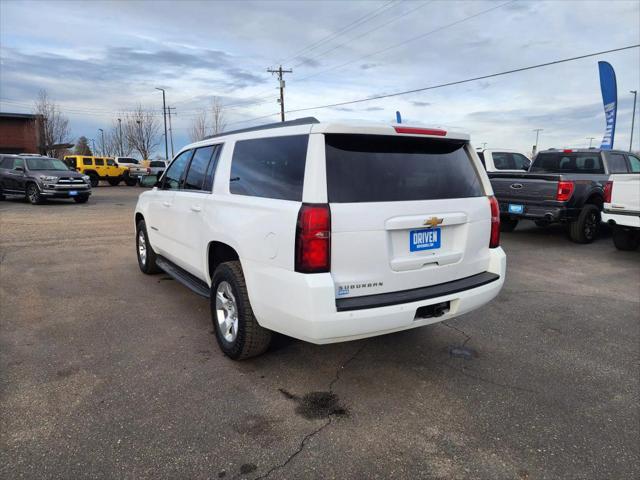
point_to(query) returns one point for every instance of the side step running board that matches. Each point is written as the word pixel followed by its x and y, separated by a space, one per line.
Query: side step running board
pixel 184 277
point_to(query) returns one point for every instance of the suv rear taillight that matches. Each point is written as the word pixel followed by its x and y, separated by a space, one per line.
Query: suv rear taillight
pixel 608 188
pixel 313 239
pixel 565 190
pixel 494 240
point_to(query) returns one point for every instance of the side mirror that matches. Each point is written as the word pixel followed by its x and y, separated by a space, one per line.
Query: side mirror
pixel 149 181
pixel 19 169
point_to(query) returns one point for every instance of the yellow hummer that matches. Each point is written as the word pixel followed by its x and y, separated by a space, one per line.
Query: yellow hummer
pixel 100 168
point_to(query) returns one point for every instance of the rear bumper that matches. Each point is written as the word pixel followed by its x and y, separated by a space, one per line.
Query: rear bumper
pixel 305 307
pixel 626 219
pixel 549 213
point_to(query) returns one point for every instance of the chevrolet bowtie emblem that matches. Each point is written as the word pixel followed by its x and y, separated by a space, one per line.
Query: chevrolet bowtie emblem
pixel 433 222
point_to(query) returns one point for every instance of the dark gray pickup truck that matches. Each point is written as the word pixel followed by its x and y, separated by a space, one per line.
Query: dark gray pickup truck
pixel 565 186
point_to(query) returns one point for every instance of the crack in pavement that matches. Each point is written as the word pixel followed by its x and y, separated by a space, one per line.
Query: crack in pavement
pixel 468 337
pixel 323 426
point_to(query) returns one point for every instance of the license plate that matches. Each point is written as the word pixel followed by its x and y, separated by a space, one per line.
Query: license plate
pixel 514 208
pixel 73 193
pixel 425 239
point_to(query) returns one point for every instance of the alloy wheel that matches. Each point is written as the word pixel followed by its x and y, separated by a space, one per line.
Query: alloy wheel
pixel 226 312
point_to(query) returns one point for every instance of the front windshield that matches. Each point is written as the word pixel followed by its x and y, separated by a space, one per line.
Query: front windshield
pixel 43 163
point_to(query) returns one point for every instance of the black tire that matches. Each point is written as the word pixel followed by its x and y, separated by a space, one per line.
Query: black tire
pixel 81 199
pixel 114 182
pixel 625 239
pixel 130 181
pixel 542 223
pixel 33 194
pixel 585 229
pixel 250 339
pixel 148 263
pixel 94 179
pixel 508 224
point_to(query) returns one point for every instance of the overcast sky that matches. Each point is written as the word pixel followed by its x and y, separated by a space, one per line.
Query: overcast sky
pixel 100 58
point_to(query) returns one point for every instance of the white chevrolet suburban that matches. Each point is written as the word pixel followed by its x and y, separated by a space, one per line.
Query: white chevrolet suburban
pixel 622 206
pixel 325 232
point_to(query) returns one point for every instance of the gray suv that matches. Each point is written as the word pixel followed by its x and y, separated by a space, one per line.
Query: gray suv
pixel 38 178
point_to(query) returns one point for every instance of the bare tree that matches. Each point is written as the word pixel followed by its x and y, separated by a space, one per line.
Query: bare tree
pixel 55 128
pixel 116 143
pixel 219 123
pixel 200 127
pixel 142 131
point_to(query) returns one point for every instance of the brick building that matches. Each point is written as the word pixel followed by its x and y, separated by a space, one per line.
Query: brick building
pixel 20 133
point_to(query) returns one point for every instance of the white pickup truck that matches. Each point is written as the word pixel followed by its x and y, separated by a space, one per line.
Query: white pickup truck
pixel 622 207
pixel 325 232
pixel 503 160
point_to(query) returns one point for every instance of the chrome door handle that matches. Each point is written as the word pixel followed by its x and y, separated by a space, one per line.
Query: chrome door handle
pixel 166 204
pixel 196 208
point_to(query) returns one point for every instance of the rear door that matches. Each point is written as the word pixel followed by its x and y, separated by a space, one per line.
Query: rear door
pixel 406 212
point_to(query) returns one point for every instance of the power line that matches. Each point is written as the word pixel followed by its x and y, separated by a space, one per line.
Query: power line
pixel 458 82
pixel 366 33
pixel 404 42
pixel 341 31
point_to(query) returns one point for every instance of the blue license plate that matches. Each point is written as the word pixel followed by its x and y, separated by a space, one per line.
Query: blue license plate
pixel 425 239
pixel 73 193
pixel 514 208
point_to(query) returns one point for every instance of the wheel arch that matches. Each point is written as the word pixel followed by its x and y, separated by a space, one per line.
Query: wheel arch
pixel 219 252
pixel 595 198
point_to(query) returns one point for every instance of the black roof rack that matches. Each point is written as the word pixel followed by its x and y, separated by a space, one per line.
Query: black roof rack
pixel 288 123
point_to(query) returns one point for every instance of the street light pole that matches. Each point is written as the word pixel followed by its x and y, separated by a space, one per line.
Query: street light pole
pixel 164 116
pixel 102 146
pixel 633 117
pixel 537 130
pixel 590 141
pixel 121 149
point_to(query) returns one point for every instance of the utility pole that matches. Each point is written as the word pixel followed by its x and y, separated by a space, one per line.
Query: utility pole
pixel 590 140
pixel 537 130
pixel 121 149
pixel 164 116
pixel 170 128
pixel 93 143
pixel 633 116
pixel 280 72
pixel 102 146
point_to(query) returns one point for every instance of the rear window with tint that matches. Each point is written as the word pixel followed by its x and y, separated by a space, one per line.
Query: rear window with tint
pixel 377 168
pixel 569 162
pixel 269 167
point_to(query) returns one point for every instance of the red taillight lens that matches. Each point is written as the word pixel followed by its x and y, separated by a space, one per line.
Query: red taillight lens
pixel 313 239
pixel 494 240
pixel 421 131
pixel 565 190
pixel 608 188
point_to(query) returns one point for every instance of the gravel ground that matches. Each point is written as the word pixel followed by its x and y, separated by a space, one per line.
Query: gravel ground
pixel 108 373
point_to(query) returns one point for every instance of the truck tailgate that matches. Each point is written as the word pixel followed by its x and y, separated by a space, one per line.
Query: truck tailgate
pixel 524 187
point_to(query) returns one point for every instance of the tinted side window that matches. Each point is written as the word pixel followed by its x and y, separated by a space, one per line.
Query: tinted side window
pixel 211 171
pixel 173 175
pixel 481 156
pixel 71 161
pixel 7 162
pixel 617 163
pixel 86 161
pixel 18 162
pixel 111 162
pixel 100 161
pixel 269 167
pixel 635 163
pixel 198 168
pixel 521 162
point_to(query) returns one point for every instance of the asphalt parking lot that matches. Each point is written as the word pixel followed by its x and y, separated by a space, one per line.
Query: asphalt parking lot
pixel 107 373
